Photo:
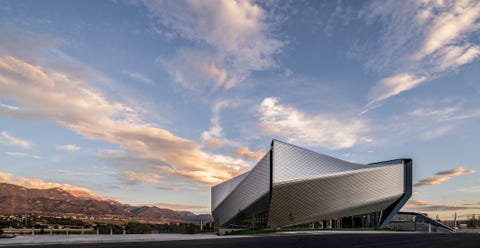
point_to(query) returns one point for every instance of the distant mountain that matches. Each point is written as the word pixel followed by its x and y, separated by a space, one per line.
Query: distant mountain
pixel 58 201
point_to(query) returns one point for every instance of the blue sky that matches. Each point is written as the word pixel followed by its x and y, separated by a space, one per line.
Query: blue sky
pixel 152 102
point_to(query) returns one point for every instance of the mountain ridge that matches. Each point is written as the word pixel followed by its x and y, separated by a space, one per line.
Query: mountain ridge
pixel 16 199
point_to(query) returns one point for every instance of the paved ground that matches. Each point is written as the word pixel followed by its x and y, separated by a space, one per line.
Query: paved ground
pixel 351 240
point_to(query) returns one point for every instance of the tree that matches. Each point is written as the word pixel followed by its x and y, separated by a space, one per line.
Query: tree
pixel 215 226
pixel 253 222
pixel 472 222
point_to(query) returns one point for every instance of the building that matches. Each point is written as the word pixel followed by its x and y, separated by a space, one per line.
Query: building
pixel 292 186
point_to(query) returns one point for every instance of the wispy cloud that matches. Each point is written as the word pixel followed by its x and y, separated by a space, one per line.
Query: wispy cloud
pixel 426 120
pixel 224 30
pixel 9 107
pixel 138 76
pixel 245 153
pixel 442 176
pixel 183 187
pixel 74 173
pixel 473 189
pixel 41 184
pixel 323 130
pixel 421 205
pixel 133 177
pixel 68 147
pixel 423 40
pixel 213 136
pixel 8 139
pixel 22 154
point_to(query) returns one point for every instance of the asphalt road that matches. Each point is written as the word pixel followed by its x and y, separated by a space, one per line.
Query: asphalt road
pixel 422 240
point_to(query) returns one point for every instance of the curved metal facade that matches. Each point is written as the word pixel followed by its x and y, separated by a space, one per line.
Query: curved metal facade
pixel 293 186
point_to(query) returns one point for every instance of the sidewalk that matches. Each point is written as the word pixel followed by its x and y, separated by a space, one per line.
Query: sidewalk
pixel 70 239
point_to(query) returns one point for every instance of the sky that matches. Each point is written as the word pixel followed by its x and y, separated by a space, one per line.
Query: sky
pixel 153 102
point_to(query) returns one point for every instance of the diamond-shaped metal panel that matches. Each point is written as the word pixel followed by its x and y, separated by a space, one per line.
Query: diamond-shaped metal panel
pixel 253 187
pixel 298 186
pixel 338 195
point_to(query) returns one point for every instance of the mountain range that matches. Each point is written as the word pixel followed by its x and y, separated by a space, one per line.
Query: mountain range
pixel 16 199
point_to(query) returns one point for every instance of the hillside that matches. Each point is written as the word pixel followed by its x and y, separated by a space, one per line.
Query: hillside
pixel 58 201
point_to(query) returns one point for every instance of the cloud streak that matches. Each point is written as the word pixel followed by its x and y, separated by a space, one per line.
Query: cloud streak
pixel 69 148
pixel 442 176
pixel 74 173
pixel 8 139
pixel 22 154
pixel 421 205
pixel 138 77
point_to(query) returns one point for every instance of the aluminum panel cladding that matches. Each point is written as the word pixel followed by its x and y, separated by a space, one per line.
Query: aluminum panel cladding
pixel 220 191
pixel 338 194
pixel 293 162
pixel 255 185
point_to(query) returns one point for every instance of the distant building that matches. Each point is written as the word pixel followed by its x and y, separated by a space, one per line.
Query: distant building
pixel 293 186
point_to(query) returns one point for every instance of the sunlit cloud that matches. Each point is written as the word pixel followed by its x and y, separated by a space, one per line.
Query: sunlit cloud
pixel 183 187
pixel 442 176
pixel 214 143
pixel 244 152
pixel 133 177
pixel 323 130
pixel 421 205
pixel 8 139
pixel 71 102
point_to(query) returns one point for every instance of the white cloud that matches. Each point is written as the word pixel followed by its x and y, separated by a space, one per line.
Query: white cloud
pixel 322 130
pixel 8 139
pixel 9 107
pixel 392 86
pixel 22 154
pixel 233 39
pixel 214 137
pixel 68 147
pixel 138 76
pixel 422 40
pixel 437 132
